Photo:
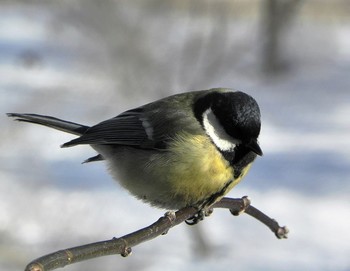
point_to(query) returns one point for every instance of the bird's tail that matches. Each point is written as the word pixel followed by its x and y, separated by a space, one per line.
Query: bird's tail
pixel 63 125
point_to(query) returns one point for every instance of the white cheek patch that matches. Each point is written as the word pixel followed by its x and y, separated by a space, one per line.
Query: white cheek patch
pixel 217 133
pixel 148 128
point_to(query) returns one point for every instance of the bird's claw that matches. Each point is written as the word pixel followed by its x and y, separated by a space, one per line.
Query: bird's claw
pixel 199 216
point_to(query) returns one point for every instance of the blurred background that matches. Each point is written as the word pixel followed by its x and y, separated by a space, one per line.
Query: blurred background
pixel 87 61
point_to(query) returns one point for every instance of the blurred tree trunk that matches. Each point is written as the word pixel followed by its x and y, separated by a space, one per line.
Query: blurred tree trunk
pixel 277 15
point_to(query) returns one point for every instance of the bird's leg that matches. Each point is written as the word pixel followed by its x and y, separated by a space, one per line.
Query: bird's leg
pixel 199 216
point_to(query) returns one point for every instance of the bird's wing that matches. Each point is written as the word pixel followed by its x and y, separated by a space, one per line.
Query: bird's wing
pixel 128 128
pixel 149 127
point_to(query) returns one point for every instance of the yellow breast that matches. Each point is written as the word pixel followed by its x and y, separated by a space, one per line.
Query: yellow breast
pixel 189 173
pixel 198 169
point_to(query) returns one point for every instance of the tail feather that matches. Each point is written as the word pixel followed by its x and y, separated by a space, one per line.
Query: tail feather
pixel 62 125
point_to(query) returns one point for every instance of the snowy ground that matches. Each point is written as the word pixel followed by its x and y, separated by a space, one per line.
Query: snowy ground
pixel 53 64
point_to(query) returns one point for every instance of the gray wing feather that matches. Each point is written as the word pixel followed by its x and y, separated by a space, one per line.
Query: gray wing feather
pixel 151 126
pixel 125 129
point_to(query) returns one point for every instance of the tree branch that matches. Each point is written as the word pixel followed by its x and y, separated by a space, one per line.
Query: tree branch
pixel 123 244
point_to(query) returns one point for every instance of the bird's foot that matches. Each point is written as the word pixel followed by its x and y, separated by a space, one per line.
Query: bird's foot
pixel 199 216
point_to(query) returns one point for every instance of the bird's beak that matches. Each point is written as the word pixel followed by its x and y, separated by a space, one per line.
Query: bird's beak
pixel 254 147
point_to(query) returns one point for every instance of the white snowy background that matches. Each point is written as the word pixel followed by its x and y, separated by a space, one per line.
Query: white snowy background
pixel 86 61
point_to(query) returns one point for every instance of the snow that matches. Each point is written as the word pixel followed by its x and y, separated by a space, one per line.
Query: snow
pixel 49 201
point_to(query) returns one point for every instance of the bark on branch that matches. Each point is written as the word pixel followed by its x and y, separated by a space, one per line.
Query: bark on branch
pixel 124 244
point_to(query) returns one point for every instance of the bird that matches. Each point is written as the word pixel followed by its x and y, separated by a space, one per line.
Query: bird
pixel 185 150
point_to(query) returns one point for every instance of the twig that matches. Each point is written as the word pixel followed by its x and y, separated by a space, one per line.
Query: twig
pixel 280 232
pixel 123 244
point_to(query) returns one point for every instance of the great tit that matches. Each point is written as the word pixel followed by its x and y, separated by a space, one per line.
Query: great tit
pixel 184 150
